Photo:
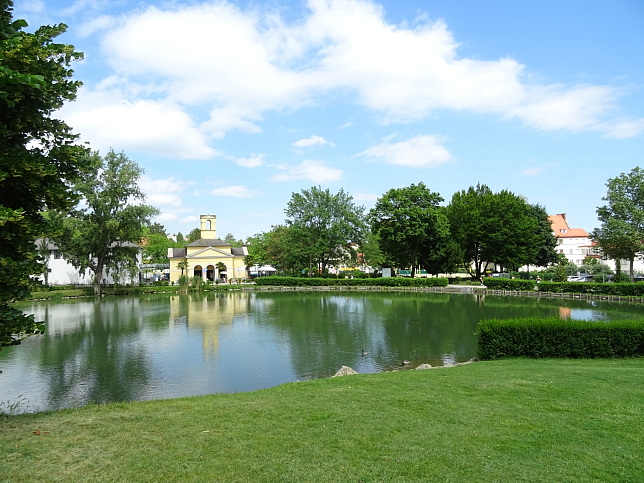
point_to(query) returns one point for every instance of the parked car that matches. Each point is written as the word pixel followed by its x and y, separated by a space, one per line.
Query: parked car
pixel 573 278
pixel 585 278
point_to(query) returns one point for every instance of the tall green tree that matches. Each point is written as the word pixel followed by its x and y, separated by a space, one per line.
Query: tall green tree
pixel 286 248
pixel 39 160
pixel 621 235
pixel 104 231
pixel 327 220
pixel 409 222
pixel 500 228
pixel 193 236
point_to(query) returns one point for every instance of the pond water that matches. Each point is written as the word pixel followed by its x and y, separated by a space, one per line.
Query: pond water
pixel 156 347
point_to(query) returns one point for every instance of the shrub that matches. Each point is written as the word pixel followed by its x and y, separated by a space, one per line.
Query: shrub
pixel 553 337
pixel 613 289
pixel 499 283
pixel 348 282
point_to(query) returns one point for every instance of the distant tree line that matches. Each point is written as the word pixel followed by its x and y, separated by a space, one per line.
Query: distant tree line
pixel 408 228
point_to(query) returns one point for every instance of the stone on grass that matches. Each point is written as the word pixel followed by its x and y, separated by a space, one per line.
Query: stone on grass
pixel 424 366
pixel 344 371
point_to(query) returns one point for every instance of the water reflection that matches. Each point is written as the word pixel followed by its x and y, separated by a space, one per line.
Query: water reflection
pixel 121 349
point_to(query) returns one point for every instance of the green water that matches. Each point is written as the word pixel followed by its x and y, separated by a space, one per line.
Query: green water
pixel 153 347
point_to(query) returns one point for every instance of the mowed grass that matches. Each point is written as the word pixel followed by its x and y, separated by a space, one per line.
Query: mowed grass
pixel 509 420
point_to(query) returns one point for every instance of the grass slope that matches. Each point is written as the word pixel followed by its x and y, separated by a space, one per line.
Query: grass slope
pixel 509 420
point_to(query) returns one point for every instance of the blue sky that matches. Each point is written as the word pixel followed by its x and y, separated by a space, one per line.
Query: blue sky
pixel 230 107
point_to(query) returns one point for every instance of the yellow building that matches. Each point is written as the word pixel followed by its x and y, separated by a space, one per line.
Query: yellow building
pixel 209 257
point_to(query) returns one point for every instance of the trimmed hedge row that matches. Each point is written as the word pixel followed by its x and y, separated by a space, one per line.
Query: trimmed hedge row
pixel 495 283
pixel 349 282
pixel 538 337
pixel 623 289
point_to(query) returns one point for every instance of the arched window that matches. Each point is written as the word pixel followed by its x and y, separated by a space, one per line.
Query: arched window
pixel 198 271
pixel 210 273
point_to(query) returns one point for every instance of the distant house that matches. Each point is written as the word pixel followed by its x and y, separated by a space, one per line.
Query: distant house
pixel 210 258
pixel 61 272
pixel 574 243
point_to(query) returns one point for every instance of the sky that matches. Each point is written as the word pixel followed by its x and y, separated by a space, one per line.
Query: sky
pixel 230 107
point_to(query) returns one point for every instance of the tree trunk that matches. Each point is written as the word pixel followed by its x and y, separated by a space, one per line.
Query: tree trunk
pixel 98 279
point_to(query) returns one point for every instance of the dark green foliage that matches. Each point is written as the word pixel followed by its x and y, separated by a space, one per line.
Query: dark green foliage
pixel 499 283
pixel 348 282
pixel 102 233
pixel 326 222
pixel 553 337
pixel 500 228
pixel 621 235
pixel 613 289
pixel 413 229
pixel 39 159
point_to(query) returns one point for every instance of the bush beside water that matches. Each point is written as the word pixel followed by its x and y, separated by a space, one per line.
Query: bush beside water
pixel 553 337
pixel 494 283
pixel 618 289
pixel 351 282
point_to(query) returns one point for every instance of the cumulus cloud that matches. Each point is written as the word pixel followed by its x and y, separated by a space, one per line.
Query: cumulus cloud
pixel 312 141
pixel 254 161
pixel 108 119
pixel 166 192
pixel 235 191
pixel 224 68
pixel 316 171
pixel 418 152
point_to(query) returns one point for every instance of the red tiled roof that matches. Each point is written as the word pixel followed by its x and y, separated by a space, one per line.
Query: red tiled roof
pixel 561 229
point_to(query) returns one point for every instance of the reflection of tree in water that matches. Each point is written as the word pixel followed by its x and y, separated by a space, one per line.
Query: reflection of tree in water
pixel 325 331
pixel 92 344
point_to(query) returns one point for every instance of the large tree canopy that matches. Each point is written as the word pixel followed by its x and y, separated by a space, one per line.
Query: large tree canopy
pixel 105 229
pixel 409 224
pixel 621 235
pixel 500 228
pixel 330 221
pixel 39 162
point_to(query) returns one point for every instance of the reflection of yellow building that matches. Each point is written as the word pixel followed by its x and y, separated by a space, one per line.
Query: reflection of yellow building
pixel 209 258
pixel 208 314
pixel 565 313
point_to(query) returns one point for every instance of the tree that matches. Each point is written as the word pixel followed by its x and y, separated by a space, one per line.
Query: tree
pixel 182 265
pixel 156 248
pixel 409 223
pixel 327 221
pixel 284 247
pixel 621 235
pixel 104 231
pixel 500 228
pixel 39 161
pixel 193 236
pixel 230 238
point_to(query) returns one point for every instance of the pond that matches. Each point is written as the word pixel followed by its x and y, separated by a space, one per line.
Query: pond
pixel 156 347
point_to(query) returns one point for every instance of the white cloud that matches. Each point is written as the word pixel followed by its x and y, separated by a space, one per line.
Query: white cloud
pixel 103 22
pixel 236 65
pixel 312 141
pixel 235 191
pixel 316 171
pixel 531 171
pixel 254 161
pixel 108 120
pixel 417 152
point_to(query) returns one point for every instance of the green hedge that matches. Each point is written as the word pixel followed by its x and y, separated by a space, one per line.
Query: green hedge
pixel 498 283
pixel 349 282
pixel 621 289
pixel 553 337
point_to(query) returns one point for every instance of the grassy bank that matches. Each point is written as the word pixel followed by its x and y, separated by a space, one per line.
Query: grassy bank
pixel 509 420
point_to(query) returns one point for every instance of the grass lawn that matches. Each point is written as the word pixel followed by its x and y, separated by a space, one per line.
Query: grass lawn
pixel 505 421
